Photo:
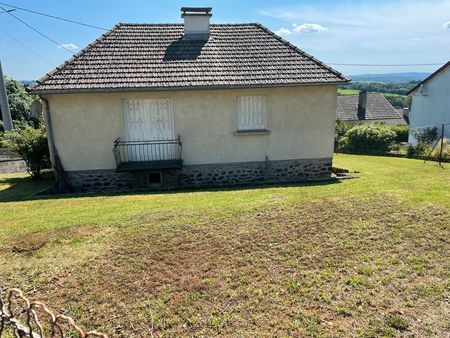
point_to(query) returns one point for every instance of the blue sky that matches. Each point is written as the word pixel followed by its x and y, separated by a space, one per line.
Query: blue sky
pixel 347 31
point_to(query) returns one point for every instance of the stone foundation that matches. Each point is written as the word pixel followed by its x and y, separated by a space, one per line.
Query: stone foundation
pixel 206 175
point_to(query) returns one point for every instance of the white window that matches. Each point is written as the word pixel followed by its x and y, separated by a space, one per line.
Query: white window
pixel 251 113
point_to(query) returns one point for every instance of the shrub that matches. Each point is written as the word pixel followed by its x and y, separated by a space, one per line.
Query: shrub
pixel 31 144
pixel 367 138
pixel 427 135
pixel 417 150
pixel 341 128
pixel 402 133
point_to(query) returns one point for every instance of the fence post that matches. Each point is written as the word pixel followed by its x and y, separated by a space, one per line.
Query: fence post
pixel 442 145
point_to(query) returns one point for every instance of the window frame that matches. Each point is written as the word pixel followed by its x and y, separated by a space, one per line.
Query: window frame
pixel 239 112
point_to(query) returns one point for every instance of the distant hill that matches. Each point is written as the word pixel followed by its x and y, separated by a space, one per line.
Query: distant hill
pixel 26 82
pixel 390 77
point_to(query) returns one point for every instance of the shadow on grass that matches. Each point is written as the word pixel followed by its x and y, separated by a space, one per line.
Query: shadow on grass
pixel 24 188
pixel 21 188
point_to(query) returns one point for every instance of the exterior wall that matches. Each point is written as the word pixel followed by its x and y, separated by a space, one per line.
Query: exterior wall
pixel 207 175
pixel 431 106
pixel 301 121
pixel 9 166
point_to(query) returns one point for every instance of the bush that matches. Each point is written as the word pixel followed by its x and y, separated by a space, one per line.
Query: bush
pixel 367 138
pixel 402 133
pixel 427 135
pixel 420 149
pixel 341 128
pixel 30 144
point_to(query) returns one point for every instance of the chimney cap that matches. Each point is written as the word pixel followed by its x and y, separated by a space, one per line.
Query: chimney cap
pixel 197 11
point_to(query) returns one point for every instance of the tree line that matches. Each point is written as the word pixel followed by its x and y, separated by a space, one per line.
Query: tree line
pixel 400 88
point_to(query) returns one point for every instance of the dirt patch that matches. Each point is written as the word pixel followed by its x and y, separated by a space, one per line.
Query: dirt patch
pixel 27 244
pixel 79 231
pixel 30 243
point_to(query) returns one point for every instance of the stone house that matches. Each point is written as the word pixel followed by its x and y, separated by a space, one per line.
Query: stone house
pixel 367 108
pixel 193 104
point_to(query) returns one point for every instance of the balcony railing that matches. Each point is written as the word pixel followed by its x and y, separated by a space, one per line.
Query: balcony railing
pixel 148 154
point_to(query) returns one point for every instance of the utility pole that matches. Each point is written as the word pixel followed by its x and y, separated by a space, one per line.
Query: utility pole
pixel 4 105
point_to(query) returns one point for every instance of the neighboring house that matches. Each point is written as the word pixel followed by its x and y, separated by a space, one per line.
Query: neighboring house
pixel 367 108
pixel 430 105
pixel 188 105
pixel 404 112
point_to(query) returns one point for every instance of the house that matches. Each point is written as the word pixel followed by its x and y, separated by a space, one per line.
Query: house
pixel 367 108
pixel 404 112
pixel 170 105
pixel 430 104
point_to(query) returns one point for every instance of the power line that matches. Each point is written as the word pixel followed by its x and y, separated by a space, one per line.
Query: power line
pixel 386 65
pixel 54 17
pixel 39 32
pixel 8 11
pixel 27 48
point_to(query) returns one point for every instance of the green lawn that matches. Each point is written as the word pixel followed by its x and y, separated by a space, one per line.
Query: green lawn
pixel 366 257
pixel 347 91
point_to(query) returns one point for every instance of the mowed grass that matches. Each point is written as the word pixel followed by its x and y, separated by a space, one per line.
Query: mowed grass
pixel 347 91
pixel 366 257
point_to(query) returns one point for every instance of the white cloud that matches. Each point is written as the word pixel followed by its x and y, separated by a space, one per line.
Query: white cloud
pixel 365 31
pixel 70 46
pixel 309 28
pixel 283 31
pixel 372 26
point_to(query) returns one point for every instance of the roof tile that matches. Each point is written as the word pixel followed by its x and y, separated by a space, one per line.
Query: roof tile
pixel 377 108
pixel 155 56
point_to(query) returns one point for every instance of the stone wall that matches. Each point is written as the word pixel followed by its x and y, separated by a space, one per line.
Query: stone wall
pixel 208 175
pixel 9 166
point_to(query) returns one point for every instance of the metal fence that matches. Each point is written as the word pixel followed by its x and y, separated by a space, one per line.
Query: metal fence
pixel 20 317
pixel 437 136
pixel 148 150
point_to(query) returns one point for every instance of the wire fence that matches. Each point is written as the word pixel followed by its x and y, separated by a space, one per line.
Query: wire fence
pixel 437 138
pixel 22 318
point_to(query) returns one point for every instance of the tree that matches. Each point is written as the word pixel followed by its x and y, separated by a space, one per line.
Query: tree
pixel 30 143
pixel 19 102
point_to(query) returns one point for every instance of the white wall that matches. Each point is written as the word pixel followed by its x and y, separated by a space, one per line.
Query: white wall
pixel 301 120
pixel 431 106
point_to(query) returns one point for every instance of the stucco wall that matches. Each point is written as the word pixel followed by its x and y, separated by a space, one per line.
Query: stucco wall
pixel 301 121
pixel 431 107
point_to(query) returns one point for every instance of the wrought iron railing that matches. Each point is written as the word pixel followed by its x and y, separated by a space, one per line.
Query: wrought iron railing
pixel 147 151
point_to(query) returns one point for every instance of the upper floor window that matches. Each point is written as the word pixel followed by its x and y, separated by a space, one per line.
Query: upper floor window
pixel 251 113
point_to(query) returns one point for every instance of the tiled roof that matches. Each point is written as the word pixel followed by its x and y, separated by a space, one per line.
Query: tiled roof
pixel 377 108
pixel 156 57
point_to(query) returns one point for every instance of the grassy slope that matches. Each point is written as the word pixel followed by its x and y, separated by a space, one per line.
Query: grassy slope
pixel 347 91
pixel 364 256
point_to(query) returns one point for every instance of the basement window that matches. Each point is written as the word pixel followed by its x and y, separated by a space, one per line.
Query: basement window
pixel 154 179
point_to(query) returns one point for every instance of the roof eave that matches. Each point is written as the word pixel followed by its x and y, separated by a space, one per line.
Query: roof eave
pixel 159 89
pixel 428 78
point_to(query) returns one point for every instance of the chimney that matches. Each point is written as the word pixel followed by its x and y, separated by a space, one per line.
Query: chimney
pixel 196 22
pixel 362 104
